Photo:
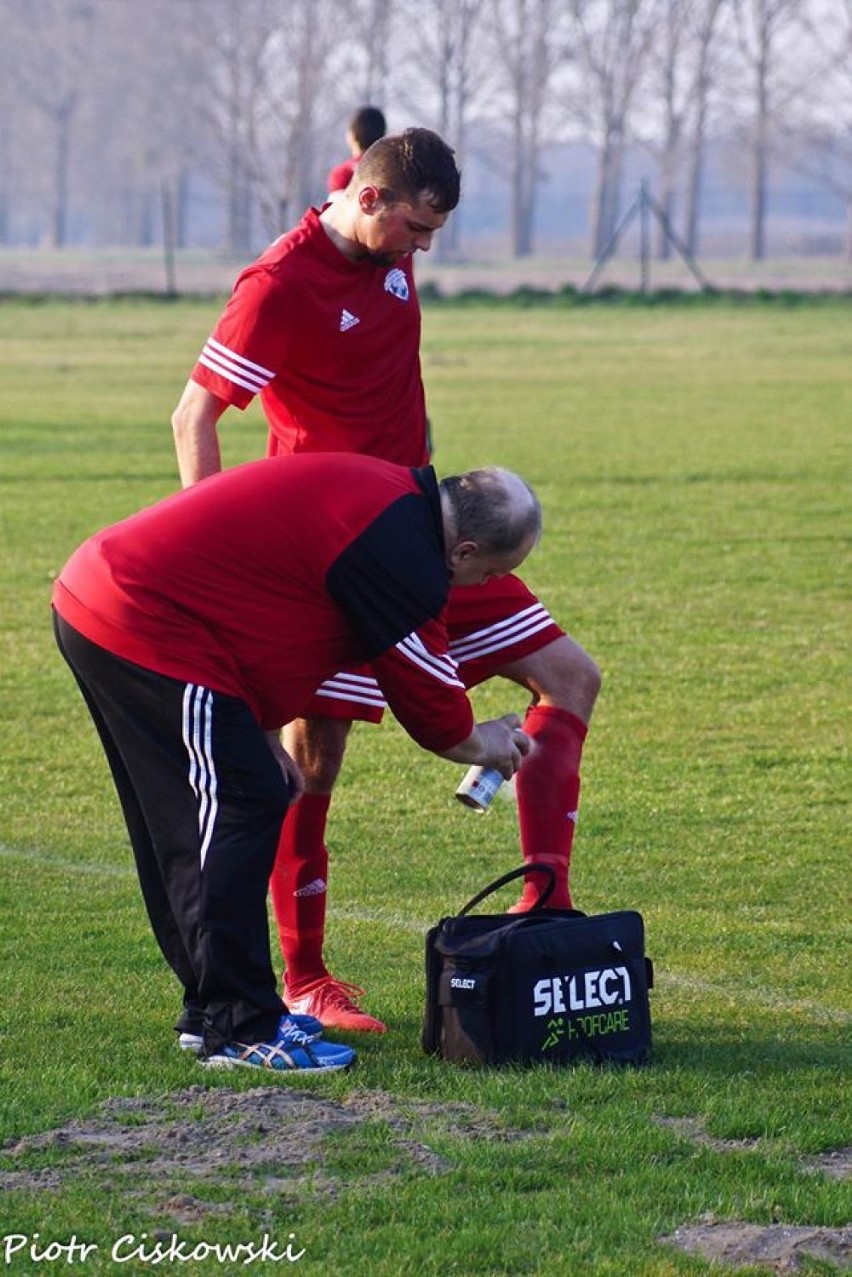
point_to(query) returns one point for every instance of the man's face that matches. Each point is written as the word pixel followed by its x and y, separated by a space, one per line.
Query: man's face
pixel 472 565
pixel 389 232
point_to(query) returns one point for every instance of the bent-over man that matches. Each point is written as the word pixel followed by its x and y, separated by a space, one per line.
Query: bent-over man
pixel 198 627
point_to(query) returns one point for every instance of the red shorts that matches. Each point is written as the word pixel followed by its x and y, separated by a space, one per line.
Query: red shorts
pixel 489 626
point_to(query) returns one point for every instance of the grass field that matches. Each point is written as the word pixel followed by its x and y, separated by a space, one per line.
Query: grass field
pixel 694 466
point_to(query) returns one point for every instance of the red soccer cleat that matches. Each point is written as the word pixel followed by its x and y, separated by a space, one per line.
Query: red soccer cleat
pixel 332 1002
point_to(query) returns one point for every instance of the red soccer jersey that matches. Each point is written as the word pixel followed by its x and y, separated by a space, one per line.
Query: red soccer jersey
pixel 331 345
pixel 341 175
pixel 264 580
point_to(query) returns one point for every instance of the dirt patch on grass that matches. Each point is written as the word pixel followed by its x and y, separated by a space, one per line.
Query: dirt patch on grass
pixel 837 1163
pixel 777 1248
pixel 266 1140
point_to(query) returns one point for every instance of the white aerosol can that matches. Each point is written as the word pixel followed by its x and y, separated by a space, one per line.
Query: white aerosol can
pixel 478 788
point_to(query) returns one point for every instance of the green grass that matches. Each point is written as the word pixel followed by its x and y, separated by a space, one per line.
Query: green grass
pixel 694 466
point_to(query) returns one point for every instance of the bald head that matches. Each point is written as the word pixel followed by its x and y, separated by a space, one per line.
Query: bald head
pixel 494 507
pixel 492 519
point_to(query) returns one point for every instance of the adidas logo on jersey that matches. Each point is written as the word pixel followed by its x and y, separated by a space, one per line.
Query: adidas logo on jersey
pixel 348 320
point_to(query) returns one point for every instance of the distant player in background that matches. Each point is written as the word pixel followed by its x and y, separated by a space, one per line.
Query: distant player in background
pixel 366 127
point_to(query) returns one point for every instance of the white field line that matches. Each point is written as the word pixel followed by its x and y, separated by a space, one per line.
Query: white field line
pixel 760 995
pixel 35 857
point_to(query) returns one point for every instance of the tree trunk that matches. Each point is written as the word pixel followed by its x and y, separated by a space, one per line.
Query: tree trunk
pixel 695 177
pixel 695 173
pixel 181 213
pixel 59 221
pixel 760 145
pixel 377 52
pixel 757 237
pixel 607 197
pixel 523 185
pixel 239 207
pixel 666 201
pixel 5 188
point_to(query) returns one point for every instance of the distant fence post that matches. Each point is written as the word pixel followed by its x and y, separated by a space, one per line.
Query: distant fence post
pixel 169 236
pixel 644 237
pixel 643 204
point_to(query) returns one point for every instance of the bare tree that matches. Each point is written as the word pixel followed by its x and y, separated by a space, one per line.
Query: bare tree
pixel 679 86
pixel 140 90
pixel 9 123
pixel 764 28
pixel 301 89
pixel 674 18
pixel 447 70
pixel 230 57
pixel 304 53
pixel 370 29
pixel 530 43
pixel 611 41
pixel 703 78
pixel 55 51
pixel 816 140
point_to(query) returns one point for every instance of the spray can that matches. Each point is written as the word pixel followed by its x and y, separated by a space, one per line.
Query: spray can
pixel 478 788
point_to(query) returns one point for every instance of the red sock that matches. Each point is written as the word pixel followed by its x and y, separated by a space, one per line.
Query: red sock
pixel 548 791
pixel 298 887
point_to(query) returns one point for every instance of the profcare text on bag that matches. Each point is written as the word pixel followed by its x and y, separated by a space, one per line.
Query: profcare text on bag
pixel 549 985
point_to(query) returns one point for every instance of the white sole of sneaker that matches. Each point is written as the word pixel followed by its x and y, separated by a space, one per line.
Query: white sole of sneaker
pixel 225 1062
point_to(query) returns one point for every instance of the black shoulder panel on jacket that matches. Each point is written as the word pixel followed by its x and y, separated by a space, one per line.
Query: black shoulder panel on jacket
pixel 392 578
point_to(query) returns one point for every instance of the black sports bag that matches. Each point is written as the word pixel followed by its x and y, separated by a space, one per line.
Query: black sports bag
pixel 549 985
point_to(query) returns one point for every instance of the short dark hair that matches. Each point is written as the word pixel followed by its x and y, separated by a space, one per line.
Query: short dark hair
pixel 486 508
pixel 407 166
pixel 367 125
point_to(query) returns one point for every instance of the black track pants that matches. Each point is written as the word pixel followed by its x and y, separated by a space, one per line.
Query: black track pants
pixel 203 799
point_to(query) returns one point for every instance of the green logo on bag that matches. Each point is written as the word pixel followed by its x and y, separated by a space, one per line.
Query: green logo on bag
pixel 585 1026
pixel 556 1032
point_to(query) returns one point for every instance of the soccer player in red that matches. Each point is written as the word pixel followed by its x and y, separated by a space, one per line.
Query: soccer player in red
pixel 325 326
pixel 366 126
pixel 192 649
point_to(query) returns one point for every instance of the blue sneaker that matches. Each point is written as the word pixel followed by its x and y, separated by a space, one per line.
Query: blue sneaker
pixel 307 1024
pixel 290 1050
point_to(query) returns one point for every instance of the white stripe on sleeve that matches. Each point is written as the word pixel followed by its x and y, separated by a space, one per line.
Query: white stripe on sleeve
pixel 227 363
pixel 442 667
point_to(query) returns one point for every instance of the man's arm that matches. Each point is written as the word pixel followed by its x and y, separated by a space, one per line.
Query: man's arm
pixel 422 687
pixel 194 423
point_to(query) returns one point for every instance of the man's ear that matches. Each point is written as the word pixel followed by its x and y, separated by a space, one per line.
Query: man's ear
pixel 463 552
pixel 369 199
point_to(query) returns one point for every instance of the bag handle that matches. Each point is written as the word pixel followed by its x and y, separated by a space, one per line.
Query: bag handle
pixel 534 866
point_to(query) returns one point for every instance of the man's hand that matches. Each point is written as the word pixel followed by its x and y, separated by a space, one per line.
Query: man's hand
pixel 289 766
pixel 499 743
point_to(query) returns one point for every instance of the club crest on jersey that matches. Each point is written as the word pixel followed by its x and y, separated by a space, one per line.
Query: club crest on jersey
pixel 396 283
